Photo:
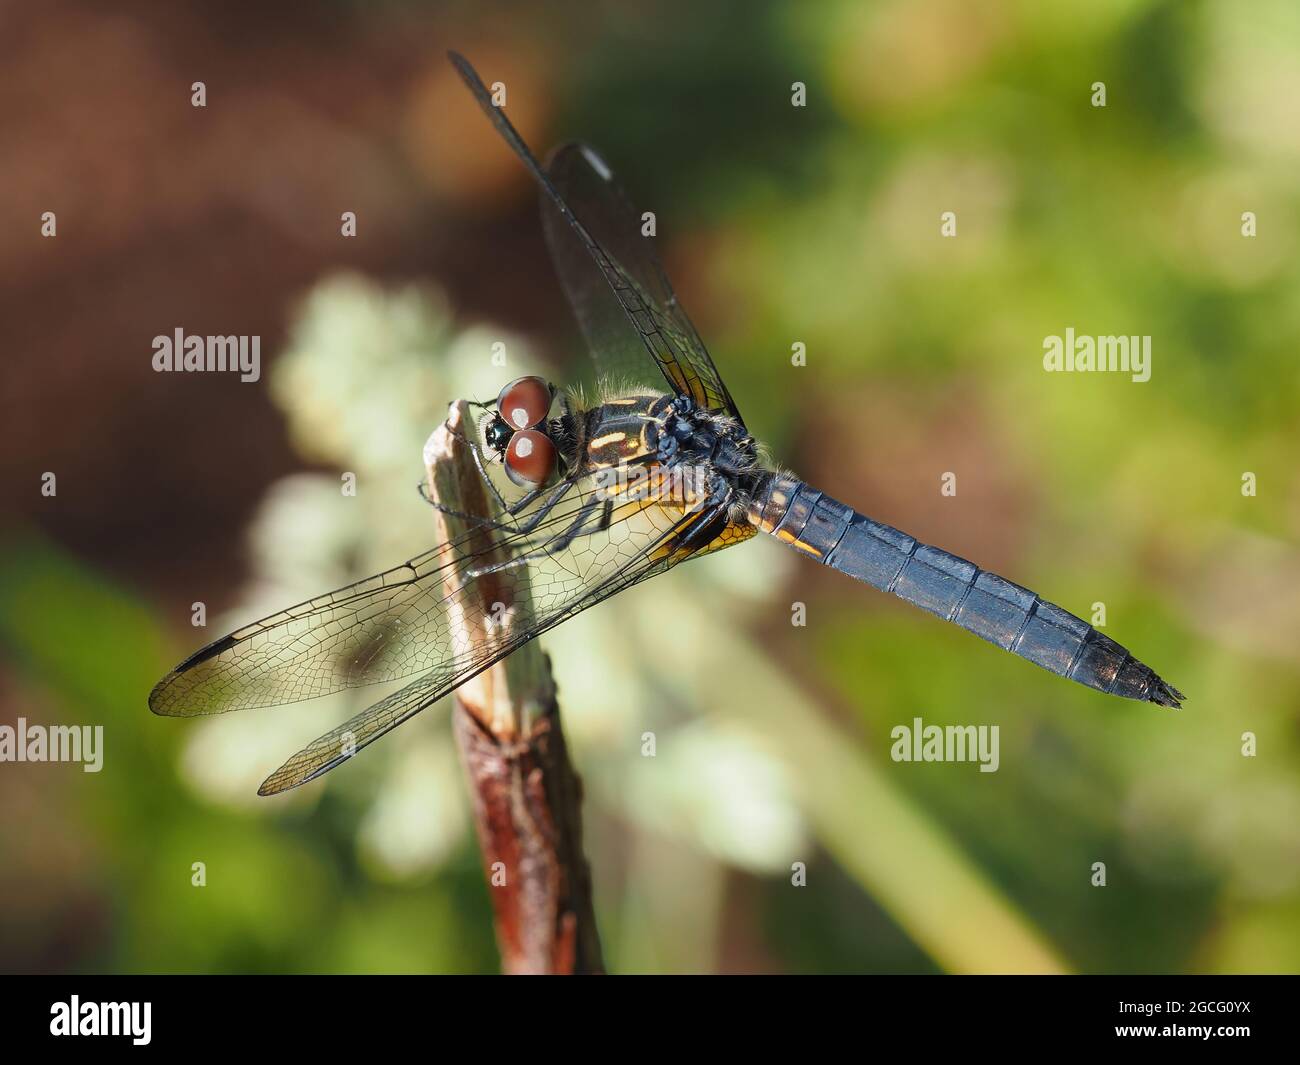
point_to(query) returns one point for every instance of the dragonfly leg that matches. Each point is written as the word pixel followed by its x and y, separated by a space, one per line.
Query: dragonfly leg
pixel 483 474
pixel 477 520
pixel 526 500
pixel 553 494
pixel 547 505
pixel 576 529
pixel 557 543
pixel 477 455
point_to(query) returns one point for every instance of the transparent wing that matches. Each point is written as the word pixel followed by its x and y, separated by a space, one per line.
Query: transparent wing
pixel 401 622
pixel 637 310
pixel 607 574
pixel 449 613
pixel 339 744
pixel 603 226
pixel 615 343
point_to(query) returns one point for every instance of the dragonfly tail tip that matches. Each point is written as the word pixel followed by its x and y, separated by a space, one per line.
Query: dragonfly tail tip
pixel 1165 694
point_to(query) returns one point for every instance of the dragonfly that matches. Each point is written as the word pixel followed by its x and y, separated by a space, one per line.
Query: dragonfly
pixel 655 469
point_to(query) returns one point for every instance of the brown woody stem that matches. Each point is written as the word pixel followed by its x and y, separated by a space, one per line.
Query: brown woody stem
pixel 527 798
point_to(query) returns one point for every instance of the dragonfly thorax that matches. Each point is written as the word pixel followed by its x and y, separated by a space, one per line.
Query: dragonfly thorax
pixel 683 432
pixel 703 458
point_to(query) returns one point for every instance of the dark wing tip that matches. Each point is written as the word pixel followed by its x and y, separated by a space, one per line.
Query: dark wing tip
pixel 465 68
pixel 163 706
pixel 204 653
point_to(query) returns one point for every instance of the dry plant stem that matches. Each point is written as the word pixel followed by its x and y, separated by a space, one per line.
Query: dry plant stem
pixel 527 797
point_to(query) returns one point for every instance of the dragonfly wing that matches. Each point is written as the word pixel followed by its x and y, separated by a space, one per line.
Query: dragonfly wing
pixel 614 342
pixel 591 570
pixel 340 744
pixel 364 633
pixel 410 619
pixel 638 286
pixel 636 310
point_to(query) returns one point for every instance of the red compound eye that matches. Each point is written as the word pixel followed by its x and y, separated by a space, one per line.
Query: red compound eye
pixel 525 402
pixel 530 458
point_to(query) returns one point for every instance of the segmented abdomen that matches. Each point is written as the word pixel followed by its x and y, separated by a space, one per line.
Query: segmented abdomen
pixel 991 607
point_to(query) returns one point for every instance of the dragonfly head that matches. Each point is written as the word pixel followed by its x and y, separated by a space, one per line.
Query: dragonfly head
pixel 498 434
pixel 517 431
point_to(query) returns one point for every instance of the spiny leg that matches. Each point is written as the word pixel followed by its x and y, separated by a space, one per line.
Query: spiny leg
pixel 479 464
pixel 557 543
pixel 553 495
pixel 483 473
pixel 477 520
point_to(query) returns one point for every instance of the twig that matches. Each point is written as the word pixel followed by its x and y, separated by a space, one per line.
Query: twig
pixel 527 797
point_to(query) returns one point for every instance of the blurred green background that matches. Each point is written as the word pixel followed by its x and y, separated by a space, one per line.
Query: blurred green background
pixel 778 224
